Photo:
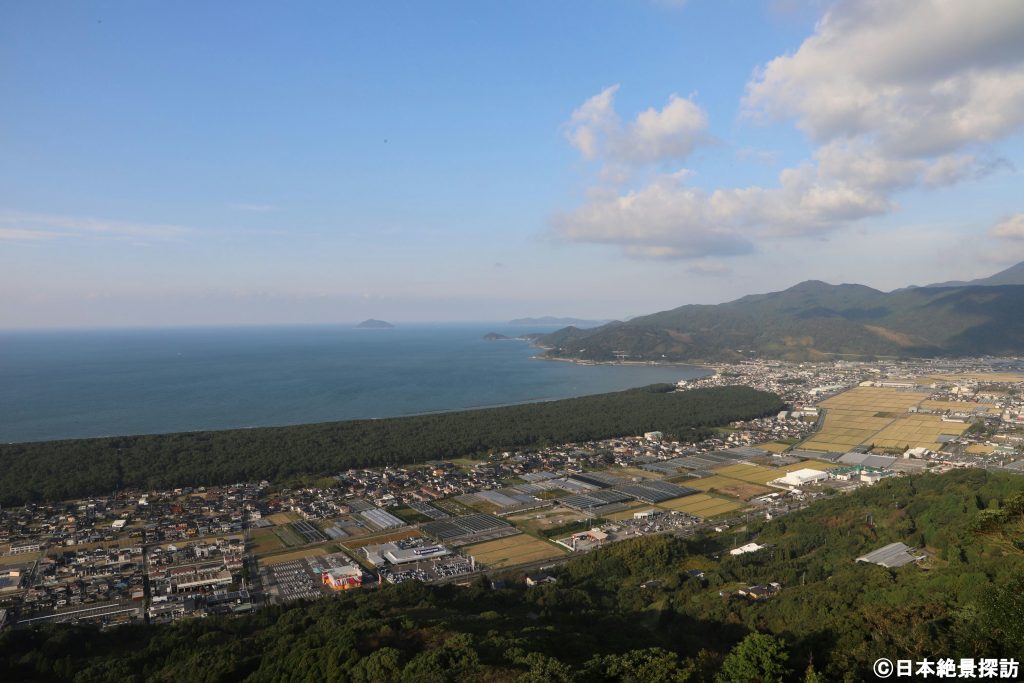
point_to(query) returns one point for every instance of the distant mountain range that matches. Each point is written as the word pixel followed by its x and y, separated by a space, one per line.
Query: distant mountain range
pixel 815 321
pixel 550 320
pixel 1014 275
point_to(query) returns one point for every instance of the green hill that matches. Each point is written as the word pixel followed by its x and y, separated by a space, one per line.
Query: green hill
pixel 631 611
pixel 812 321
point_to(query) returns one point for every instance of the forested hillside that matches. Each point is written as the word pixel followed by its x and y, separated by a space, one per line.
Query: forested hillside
pixel 56 470
pixel 629 612
pixel 812 321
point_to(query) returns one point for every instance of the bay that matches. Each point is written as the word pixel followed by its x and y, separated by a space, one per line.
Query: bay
pixel 74 384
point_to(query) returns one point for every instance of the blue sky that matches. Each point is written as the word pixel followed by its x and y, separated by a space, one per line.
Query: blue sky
pixel 267 162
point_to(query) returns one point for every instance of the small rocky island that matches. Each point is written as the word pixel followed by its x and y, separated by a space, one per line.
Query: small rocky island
pixel 373 324
pixel 494 336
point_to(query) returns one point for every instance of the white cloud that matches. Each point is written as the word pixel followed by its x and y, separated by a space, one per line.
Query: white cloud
pixel 894 96
pixel 919 77
pixel 1011 228
pixel 654 136
pixel 18 225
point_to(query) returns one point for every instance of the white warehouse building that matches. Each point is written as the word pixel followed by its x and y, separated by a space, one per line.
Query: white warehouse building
pixel 802 477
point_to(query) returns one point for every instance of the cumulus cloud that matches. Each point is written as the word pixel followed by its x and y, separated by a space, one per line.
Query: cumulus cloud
pixel 654 136
pixel 894 96
pixel 920 77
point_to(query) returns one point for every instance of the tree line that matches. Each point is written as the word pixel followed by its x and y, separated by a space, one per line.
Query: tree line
pixel 58 470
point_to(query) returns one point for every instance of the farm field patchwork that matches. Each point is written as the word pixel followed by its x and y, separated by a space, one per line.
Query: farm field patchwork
pixel 875 415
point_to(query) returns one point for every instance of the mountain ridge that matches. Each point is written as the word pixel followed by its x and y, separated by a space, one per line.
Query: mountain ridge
pixel 813 320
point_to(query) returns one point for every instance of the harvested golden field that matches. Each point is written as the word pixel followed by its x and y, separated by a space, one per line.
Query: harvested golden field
pixel 774 446
pixel 701 505
pixel 513 550
pixel 875 415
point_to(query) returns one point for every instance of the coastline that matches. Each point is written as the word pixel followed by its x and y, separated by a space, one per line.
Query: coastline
pixel 634 363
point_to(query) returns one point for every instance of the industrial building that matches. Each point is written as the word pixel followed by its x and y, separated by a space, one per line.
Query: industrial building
pixel 342 578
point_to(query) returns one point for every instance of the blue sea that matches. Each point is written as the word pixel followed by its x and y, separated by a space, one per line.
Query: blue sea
pixel 71 384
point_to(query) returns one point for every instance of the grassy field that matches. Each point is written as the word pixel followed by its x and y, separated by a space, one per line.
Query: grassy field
pixel 774 446
pixel 24 558
pixel 538 521
pixel 513 550
pixel 295 555
pixel 701 505
pixel 265 541
pixel 628 514
pixel 355 543
pixel 288 536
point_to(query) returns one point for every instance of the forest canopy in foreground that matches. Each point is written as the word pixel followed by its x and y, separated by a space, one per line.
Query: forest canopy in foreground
pixel 57 470
pixel 630 611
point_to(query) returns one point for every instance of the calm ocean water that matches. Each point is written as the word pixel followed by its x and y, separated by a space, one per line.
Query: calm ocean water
pixel 58 385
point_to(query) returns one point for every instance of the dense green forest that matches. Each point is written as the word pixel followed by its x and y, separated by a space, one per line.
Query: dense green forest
pixel 57 470
pixel 630 611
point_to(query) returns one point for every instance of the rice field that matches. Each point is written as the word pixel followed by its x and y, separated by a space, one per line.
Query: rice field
pixel 512 550
pixel 701 505
pixel 876 415
pixel 917 430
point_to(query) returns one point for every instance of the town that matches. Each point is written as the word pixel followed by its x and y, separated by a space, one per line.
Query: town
pixel 158 556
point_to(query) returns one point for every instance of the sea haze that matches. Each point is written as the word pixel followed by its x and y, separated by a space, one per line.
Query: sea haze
pixel 69 384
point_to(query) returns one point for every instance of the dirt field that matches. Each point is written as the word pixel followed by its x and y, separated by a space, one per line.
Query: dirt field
pixel 282 517
pixel 512 550
pixel 701 505
pixel 744 491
